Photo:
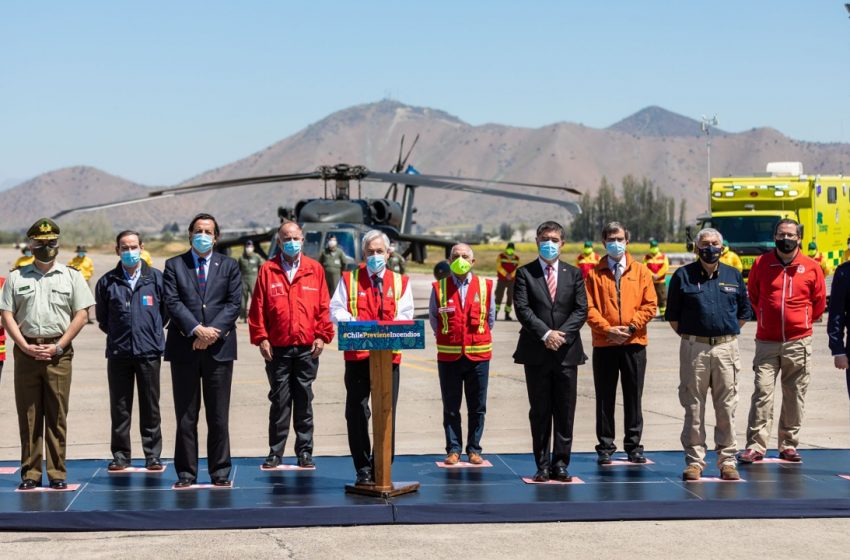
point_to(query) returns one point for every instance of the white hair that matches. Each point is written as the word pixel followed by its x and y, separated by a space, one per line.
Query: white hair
pixel 373 234
pixel 708 232
pixel 456 245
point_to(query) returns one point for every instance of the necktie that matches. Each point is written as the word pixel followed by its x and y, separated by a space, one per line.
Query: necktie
pixel 618 273
pixel 377 282
pixel 202 275
pixel 550 281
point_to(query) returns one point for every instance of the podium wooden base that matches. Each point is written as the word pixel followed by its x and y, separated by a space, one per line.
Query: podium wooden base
pixel 395 489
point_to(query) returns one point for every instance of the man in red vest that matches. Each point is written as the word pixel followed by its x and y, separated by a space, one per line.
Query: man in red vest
pixel 658 264
pixel 462 313
pixel 289 321
pixel 587 259
pixel 370 292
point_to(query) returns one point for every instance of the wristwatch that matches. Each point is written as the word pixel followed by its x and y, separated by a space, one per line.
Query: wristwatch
pixel 632 329
pixel 59 350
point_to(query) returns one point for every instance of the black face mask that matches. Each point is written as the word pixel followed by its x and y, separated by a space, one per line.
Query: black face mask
pixel 710 254
pixel 45 254
pixel 785 245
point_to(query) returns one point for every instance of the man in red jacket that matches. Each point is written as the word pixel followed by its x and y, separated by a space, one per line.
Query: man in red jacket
pixel 788 293
pixel 290 323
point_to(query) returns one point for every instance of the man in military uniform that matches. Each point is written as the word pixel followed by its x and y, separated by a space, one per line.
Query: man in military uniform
pixel 506 264
pixel 332 260
pixel 249 265
pixel 395 262
pixel 44 305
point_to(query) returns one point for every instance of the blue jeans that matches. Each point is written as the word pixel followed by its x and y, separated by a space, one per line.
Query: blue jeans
pixel 456 379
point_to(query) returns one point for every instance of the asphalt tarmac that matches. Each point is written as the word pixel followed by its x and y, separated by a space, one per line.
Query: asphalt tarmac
pixel 420 431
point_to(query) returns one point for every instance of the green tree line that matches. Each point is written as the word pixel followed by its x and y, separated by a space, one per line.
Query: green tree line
pixel 639 205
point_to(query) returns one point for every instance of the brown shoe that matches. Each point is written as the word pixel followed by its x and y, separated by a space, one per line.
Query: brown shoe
pixel 692 472
pixel 452 458
pixel 750 456
pixel 475 458
pixel 790 454
pixel 729 472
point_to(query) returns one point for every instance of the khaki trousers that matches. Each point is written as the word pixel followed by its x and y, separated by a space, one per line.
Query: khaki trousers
pixel 703 367
pixel 41 396
pixel 791 361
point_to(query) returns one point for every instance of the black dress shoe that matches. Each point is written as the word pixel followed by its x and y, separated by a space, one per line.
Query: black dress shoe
pixel 58 485
pixel 603 457
pixel 154 464
pixel 117 465
pixel 272 461
pixel 542 475
pixel 637 457
pixel 28 484
pixel 305 460
pixel 221 481
pixel 184 483
pixel 561 474
pixel 364 476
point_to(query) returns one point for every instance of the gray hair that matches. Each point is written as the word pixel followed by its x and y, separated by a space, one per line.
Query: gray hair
pixel 372 235
pixel 471 254
pixel 708 232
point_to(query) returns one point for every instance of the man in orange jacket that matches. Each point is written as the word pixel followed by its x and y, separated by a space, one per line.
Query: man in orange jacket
pixel 788 293
pixel 620 302
pixel 290 322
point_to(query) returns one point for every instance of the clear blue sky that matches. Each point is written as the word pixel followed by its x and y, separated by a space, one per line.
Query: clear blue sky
pixel 158 91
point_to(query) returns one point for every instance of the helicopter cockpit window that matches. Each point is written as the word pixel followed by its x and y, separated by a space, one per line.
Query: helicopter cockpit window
pixel 312 244
pixel 345 241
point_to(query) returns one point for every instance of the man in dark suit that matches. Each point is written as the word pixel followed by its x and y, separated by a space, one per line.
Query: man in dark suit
pixel 203 291
pixel 551 305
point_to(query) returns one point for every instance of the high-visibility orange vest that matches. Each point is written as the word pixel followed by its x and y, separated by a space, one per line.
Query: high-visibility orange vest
pixel 463 330
pixel 364 306
pixel 506 265
pixel 587 262
pixel 657 264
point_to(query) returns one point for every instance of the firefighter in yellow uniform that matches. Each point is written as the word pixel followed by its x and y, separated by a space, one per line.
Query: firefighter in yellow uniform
pixel 587 259
pixel 506 264
pixel 730 257
pixel 25 258
pixel 83 263
pixel 820 258
pixel 658 265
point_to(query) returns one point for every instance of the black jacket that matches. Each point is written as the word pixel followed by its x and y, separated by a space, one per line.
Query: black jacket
pixel 132 320
pixel 839 311
pixel 537 314
pixel 187 309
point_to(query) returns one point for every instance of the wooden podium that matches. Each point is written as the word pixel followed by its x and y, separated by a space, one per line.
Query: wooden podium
pixel 380 338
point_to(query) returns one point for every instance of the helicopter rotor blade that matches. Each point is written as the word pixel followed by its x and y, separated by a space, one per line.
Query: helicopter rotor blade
pixel 94 207
pixel 427 181
pixel 404 163
pixel 214 185
pixel 535 185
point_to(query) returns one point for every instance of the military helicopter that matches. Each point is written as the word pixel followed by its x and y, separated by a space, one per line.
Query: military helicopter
pixel 347 218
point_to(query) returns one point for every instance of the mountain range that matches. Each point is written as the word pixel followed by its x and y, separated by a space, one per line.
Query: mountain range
pixel 666 147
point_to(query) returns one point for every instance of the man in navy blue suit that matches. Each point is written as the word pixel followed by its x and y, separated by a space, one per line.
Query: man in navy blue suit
pixel 203 294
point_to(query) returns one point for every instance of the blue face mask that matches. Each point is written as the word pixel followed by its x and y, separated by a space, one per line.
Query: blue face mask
pixel 376 263
pixel 549 250
pixel 202 242
pixel 615 249
pixel 131 258
pixel 81 254
pixel 291 248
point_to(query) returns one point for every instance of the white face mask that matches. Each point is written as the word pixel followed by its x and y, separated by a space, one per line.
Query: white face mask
pixel 331 243
pixel 249 250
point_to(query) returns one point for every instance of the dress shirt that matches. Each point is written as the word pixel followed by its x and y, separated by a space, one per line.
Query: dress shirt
pixel 554 271
pixel 132 278
pixel 290 268
pixel 706 305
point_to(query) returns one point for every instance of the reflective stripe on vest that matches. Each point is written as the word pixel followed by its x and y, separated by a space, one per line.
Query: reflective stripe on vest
pixel 482 290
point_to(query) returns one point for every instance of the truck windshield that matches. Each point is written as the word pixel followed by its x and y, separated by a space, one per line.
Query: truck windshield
pixel 744 230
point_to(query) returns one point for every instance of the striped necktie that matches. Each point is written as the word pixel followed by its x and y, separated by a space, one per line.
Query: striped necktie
pixel 550 281
pixel 202 275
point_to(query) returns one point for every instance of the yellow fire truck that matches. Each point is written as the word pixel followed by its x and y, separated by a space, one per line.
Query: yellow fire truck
pixel 746 209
